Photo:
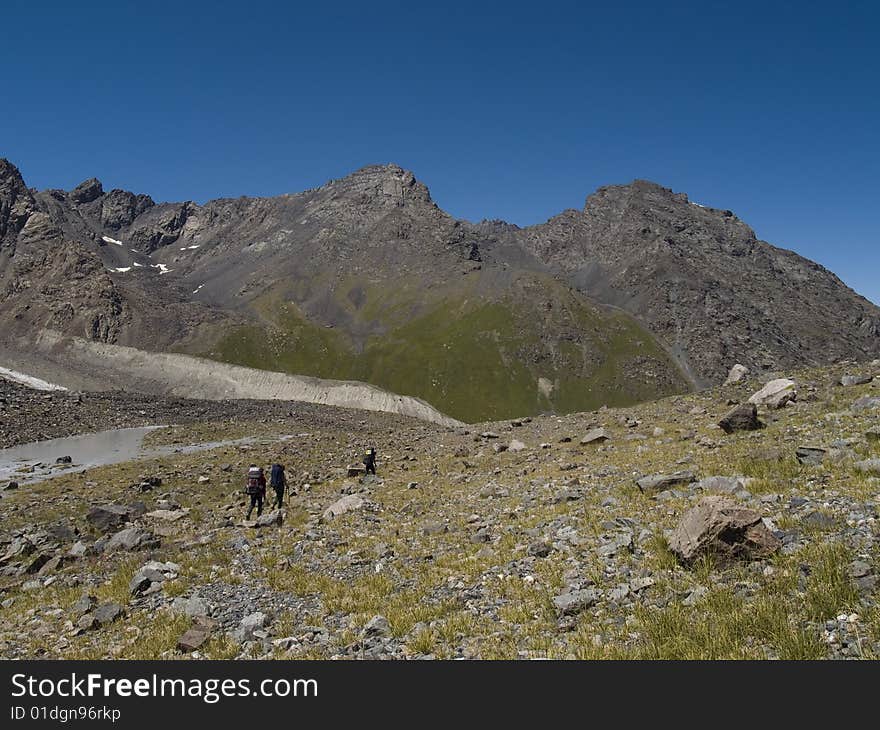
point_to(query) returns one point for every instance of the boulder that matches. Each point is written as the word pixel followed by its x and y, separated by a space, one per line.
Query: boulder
pixel 348 503
pixel 775 394
pixel 83 605
pixel 849 380
pixel 191 607
pixel 722 527
pixel 132 538
pixel 9 486
pixel 737 373
pixel 868 466
pixel 866 403
pixel 810 455
pixel 108 517
pixel 79 549
pixel 728 485
pixel 516 445
pixel 107 613
pixel 271 519
pixel 659 482
pixel 596 436
pixel 743 417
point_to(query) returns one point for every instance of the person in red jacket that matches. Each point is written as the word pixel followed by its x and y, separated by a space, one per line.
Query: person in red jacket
pixel 255 487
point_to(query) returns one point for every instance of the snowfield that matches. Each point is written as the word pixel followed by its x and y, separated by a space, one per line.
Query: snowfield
pixel 28 380
pixel 107 239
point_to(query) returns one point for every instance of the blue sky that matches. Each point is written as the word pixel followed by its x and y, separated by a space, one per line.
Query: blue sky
pixel 771 109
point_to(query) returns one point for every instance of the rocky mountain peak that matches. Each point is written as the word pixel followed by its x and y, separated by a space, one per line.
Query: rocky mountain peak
pixel 16 201
pixel 87 191
pixel 386 185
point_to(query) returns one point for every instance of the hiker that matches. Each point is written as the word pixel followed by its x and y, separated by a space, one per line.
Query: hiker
pixel 370 461
pixel 278 480
pixel 255 486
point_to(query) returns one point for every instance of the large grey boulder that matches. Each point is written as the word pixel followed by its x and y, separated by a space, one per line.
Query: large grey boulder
pixel 348 503
pixel 775 394
pixel 721 527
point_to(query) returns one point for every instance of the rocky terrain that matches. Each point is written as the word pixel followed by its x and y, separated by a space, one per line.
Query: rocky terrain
pixel 739 522
pixel 641 294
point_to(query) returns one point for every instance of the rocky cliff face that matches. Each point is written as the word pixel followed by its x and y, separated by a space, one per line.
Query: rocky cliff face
pixel 641 293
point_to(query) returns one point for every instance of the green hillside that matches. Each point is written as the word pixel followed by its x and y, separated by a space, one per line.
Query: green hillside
pixel 474 357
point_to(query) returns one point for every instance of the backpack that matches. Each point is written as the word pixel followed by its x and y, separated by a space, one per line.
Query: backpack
pixel 252 485
pixel 277 475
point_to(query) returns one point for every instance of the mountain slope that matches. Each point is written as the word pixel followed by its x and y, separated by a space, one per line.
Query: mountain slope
pixel 639 295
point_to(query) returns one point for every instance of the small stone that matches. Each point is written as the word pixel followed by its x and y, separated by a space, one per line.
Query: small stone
pixel 575 602
pixel 272 519
pixel 377 626
pixel 659 482
pixel 540 549
pixel 192 639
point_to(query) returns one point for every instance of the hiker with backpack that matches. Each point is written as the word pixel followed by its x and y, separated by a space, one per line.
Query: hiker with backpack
pixel 370 461
pixel 278 480
pixel 255 487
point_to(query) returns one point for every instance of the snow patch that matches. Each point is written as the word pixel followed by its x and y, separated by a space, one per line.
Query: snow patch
pixel 137 264
pixel 122 269
pixel 28 380
pixel 196 290
pixel 107 239
pixel 163 269
pixel 697 204
pixel 190 248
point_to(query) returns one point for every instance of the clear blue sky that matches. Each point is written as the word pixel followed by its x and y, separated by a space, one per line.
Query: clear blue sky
pixel 771 109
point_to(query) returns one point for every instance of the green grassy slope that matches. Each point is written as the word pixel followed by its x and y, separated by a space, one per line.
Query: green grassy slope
pixel 473 356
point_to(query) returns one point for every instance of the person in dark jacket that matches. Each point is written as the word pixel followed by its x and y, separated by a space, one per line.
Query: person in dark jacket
pixel 370 461
pixel 278 481
pixel 255 487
